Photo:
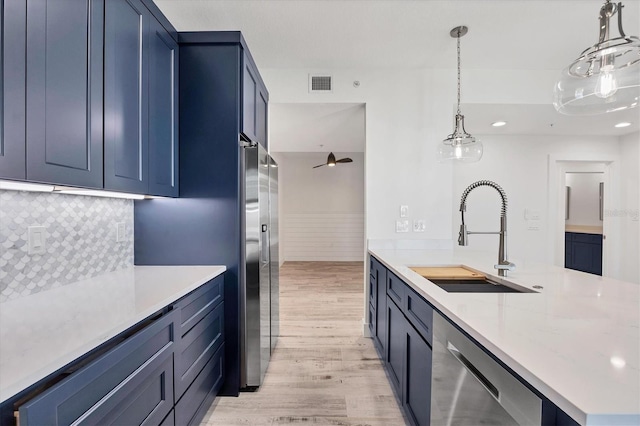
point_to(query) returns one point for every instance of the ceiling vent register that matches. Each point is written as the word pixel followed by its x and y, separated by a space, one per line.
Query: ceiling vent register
pixel 320 84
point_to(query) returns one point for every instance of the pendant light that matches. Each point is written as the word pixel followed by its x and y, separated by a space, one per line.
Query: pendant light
pixel 460 145
pixel 606 76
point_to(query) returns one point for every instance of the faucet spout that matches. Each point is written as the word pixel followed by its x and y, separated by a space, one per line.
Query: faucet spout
pixel 503 264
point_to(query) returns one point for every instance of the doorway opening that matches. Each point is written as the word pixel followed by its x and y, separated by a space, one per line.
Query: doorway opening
pixel 582 237
pixel 584 218
pixel 320 149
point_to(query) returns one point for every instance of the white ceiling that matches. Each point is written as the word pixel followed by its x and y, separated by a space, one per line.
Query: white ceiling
pixel 328 34
pixel 317 127
pixel 543 120
pixel 366 34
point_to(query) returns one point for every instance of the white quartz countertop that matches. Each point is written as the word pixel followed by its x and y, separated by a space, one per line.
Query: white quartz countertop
pixel 41 333
pixel 577 341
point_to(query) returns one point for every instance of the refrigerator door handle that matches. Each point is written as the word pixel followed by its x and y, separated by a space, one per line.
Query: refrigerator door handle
pixel 264 252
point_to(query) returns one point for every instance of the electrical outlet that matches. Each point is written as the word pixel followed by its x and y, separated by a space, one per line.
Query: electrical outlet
pixel 37 239
pixel 402 225
pixel 533 225
pixel 404 211
pixel 419 225
pixel 121 232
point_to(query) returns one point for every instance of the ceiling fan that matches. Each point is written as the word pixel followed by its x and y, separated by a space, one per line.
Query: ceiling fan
pixel 331 161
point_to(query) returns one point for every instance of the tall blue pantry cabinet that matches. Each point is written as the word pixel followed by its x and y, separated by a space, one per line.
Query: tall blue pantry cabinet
pixel 221 96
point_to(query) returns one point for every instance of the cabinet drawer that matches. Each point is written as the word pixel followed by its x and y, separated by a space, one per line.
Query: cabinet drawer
pixel 396 289
pixel 587 238
pixel 420 314
pixel 138 372
pixel 199 303
pixel 192 407
pixel 196 347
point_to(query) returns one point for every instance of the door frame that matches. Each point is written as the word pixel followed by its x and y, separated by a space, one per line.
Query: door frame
pixel 559 165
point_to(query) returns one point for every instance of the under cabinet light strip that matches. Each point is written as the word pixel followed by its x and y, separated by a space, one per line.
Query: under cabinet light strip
pixel 25 186
pixel 37 187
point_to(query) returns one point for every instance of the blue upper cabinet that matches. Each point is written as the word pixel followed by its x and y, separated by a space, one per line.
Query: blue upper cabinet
pixel 13 17
pixel 141 133
pixel 64 82
pixel 254 103
pixel 125 94
pixel 163 112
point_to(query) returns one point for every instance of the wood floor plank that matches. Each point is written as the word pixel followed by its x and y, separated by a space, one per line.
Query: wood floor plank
pixel 323 371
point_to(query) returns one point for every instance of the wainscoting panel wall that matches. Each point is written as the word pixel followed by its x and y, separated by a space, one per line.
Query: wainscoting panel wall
pixel 323 237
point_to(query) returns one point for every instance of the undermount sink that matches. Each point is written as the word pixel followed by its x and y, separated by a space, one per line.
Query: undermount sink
pixel 475 286
pixel 462 279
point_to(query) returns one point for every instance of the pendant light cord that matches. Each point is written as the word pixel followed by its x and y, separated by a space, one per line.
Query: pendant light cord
pixel 458 112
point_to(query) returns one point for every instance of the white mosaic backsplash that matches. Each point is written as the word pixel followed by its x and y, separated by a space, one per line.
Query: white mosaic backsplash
pixel 80 240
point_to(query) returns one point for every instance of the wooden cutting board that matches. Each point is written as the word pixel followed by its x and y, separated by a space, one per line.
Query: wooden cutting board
pixel 448 273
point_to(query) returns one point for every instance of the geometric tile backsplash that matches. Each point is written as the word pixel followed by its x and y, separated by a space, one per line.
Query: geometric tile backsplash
pixel 80 240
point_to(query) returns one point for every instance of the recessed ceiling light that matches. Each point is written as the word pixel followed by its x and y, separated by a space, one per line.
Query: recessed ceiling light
pixel 623 124
pixel 499 123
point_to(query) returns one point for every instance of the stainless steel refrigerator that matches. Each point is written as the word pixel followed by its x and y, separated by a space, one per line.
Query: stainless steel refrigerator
pixel 259 301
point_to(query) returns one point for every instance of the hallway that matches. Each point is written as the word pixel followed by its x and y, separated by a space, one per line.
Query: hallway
pixel 323 372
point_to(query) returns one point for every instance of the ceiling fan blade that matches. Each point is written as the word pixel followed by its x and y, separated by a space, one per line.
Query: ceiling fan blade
pixel 344 160
pixel 319 165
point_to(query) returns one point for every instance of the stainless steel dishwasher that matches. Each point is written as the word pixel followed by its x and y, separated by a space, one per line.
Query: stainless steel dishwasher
pixel 469 388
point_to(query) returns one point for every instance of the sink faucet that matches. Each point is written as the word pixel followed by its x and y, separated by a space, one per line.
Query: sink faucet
pixel 503 264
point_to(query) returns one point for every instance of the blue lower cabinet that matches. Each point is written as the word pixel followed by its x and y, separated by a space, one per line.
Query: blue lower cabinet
pixel 165 370
pixel 583 252
pixel 416 389
pixel 196 305
pixel 378 304
pixel 394 354
pixel 130 384
pixel 197 347
pixel 195 402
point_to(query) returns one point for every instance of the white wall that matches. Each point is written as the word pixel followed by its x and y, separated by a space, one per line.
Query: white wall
pixel 322 209
pixel 584 199
pixel 520 165
pixel 408 113
pixel 628 211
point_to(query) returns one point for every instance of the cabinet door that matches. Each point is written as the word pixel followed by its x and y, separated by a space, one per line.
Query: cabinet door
pixel 250 100
pixel 163 112
pixel 261 118
pixel 125 91
pixel 381 310
pixel 395 345
pixel 416 386
pixel 64 91
pixel 13 21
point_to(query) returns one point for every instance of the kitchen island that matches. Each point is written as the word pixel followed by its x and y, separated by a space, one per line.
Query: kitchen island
pixel 576 340
pixel 46 332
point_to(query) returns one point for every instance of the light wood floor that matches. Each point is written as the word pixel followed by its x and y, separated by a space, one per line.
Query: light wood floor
pixel 323 372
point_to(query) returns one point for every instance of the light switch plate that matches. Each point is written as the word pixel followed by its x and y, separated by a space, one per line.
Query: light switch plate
pixel 37 240
pixel 419 225
pixel 404 211
pixel 402 225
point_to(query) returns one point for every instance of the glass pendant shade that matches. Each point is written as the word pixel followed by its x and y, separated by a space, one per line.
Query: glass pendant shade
pixel 460 146
pixel 606 76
